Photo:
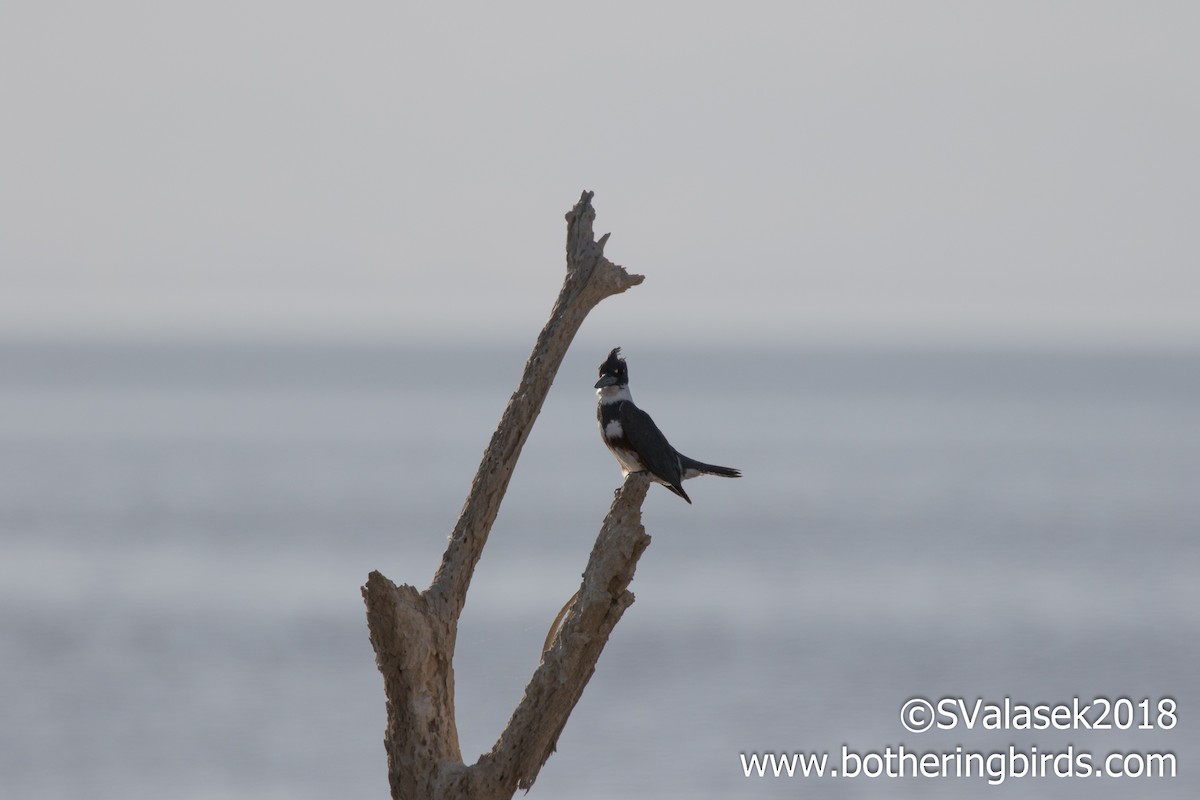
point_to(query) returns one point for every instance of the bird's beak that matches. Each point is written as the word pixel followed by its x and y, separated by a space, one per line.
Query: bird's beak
pixel 607 380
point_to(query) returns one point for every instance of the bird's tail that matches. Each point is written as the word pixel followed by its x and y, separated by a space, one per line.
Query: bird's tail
pixel 692 468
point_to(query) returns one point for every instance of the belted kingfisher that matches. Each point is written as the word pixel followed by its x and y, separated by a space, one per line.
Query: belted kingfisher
pixel 635 440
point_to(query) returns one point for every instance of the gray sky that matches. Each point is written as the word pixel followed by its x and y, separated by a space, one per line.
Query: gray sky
pixel 1007 172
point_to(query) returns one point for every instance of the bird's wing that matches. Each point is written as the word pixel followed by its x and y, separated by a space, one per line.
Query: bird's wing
pixel 653 448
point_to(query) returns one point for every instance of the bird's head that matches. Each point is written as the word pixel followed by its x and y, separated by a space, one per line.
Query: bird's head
pixel 613 371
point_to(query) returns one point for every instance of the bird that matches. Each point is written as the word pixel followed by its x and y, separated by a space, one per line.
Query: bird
pixel 634 439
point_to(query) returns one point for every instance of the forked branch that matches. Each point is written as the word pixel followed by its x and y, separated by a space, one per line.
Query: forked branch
pixel 414 633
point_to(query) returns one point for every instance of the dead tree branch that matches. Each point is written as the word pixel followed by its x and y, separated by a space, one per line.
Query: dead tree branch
pixel 414 632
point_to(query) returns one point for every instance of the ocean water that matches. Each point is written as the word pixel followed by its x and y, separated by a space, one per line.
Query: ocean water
pixel 184 531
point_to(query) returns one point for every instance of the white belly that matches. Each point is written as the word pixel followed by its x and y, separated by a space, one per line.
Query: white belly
pixel 628 460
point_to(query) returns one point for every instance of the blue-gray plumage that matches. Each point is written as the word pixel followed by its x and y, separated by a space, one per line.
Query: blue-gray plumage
pixel 637 443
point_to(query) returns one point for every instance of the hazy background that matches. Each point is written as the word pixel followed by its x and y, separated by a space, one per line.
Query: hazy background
pixel 268 272
pixel 921 171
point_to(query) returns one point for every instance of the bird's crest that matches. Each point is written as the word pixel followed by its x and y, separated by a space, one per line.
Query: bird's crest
pixel 613 362
pixel 614 367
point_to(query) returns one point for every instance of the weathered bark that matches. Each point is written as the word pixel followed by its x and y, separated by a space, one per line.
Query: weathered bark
pixel 414 632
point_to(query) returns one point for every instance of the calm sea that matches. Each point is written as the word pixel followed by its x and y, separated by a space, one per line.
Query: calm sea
pixel 184 531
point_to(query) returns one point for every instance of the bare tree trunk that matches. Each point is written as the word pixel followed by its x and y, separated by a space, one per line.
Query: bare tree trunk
pixel 414 632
